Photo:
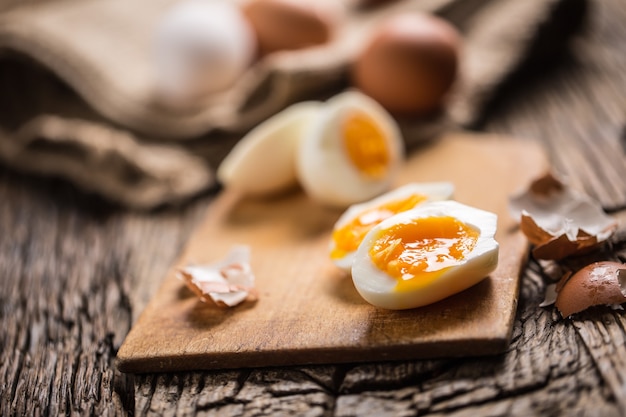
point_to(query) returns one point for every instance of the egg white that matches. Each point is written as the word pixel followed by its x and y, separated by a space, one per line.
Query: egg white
pixel 263 161
pixel 433 191
pixel 379 289
pixel 323 166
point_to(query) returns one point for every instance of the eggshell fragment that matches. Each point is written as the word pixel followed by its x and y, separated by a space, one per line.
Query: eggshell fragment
pixel 560 221
pixel 596 284
pixel 226 283
pixel 409 64
pixel 264 161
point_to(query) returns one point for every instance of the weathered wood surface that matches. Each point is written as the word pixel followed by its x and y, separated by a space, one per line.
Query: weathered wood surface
pixel 75 273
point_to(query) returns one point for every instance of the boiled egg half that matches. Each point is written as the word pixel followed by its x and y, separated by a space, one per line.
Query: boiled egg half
pixel 351 151
pixel 358 219
pixel 264 160
pixel 426 254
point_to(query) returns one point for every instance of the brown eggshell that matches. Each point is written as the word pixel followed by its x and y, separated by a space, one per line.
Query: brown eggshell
pixel 596 284
pixel 559 220
pixel 290 24
pixel 409 64
pixel 556 247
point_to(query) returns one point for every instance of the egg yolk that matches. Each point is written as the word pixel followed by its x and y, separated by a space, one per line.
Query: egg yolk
pixel 417 252
pixel 348 238
pixel 366 145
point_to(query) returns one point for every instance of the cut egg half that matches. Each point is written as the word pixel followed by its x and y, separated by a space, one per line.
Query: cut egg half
pixel 358 219
pixel 426 254
pixel 351 153
pixel 264 161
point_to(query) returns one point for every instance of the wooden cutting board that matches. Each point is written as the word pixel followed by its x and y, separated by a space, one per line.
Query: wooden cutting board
pixel 308 311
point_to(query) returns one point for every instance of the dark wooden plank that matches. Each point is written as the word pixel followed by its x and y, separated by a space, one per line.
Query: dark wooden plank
pixel 73 270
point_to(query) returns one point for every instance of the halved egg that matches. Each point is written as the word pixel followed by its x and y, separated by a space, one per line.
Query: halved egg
pixel 264 160
pixel 426 254
pixel 358 219
pixel 351 152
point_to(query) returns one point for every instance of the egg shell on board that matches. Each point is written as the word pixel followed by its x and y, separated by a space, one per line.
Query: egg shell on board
pixel 379 289
pixel 282 25
pixel 433 191
pixel 596 284
pixel 201 47
pixel 263 161
pixel 323 166
pixel 409 64
pixel 227 283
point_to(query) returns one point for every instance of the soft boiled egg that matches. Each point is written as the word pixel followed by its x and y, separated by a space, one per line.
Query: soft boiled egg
pixel 358 219
pixel 263 161
pixel 351 152
pixel 426 254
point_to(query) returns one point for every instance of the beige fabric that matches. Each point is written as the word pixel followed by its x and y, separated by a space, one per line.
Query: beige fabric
pixel 141 175
pixel 102 50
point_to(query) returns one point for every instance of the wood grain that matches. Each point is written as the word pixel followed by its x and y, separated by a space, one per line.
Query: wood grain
pixel 309 311
pixel 76 273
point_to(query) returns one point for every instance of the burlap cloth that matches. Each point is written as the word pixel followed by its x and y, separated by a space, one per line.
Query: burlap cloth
pixel 77 88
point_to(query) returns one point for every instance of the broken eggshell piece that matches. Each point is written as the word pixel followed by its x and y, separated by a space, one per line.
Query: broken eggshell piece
pixel 559 220
pixel 226 283
pixel 600 283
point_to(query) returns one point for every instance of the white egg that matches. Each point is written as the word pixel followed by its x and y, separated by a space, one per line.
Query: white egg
pixel 202 46
pixel 351 153
pixel 358 219
pixel 263 161
pixel 426 254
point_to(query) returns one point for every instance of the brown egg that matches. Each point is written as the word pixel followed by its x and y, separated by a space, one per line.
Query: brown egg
pixel 373 3
pixel 596 284
pixel 291 24
pixel 409 64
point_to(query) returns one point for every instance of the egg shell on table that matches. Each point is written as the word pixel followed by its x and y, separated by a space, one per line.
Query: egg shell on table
pixel 201 47
pixel 433 191
pixel 409 64
pixel 263 161
pixel 323 166
pixel 599 283
pixel 379 289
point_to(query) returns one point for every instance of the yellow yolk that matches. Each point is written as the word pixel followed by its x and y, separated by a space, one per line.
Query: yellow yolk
pixel 416 253
pixel 348 237
pixel 365 145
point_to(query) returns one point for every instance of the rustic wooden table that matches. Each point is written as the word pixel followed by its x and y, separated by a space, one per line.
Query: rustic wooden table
pixel 76 272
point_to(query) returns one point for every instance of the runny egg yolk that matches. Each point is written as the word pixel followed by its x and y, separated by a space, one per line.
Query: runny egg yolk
pixel 366 145
pixel 348 238
pixel 417 252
